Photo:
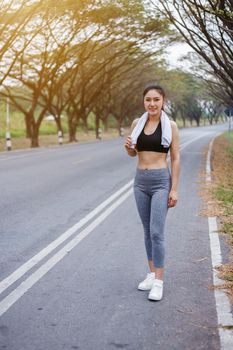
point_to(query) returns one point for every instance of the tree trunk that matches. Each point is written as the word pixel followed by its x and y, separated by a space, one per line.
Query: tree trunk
pixel 106 125
pixel 34 136
pixel 97 125
pixel 72 127
pixel 216 120
pixel 72 130
pixel 119 128
pixel 183 119
pixel 72 135
pixel 85 126
pixel 59 125
pixel 28 126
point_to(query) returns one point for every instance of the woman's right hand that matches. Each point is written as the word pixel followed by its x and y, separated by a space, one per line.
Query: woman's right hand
pixel 128 143
pixel 131 151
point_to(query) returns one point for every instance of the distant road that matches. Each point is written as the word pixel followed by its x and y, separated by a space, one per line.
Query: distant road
pixel 81 292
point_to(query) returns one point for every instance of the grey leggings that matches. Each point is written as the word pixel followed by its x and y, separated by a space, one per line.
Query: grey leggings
pixel 151 191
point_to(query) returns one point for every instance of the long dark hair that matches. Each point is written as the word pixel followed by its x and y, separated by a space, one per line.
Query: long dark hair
pixel 154 87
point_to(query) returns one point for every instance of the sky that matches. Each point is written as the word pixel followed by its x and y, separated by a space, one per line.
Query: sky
pixel 175 53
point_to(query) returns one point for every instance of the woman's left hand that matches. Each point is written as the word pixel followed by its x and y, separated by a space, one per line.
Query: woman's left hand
pixel 172 199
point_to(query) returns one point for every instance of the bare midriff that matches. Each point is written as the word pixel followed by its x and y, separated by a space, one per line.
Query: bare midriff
pixel 152 160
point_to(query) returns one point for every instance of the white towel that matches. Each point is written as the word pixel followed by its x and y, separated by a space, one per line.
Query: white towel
pixel 165 126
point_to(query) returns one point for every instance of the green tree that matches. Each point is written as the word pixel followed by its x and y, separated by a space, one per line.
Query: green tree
pixel 207 27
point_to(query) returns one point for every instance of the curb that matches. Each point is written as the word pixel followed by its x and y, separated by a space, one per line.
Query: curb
pixel 223 307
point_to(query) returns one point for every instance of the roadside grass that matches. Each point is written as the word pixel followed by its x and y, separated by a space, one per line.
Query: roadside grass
pixel 224 190
pixel 48 130
pixel 48 134
pixel 48 127
pixel 223 194
pixel 52 140
pixel 218 200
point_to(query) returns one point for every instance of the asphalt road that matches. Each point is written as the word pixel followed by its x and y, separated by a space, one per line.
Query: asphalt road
pixel 88 298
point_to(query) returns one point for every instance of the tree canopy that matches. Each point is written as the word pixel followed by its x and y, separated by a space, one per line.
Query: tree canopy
pixel 79 57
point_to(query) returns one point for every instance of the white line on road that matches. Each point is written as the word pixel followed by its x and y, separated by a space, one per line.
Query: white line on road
pixel 183 145
pixel 8 281
pixel 222 303
pixel 19 156
pixel 17 274
pixel 8 301
pixel 35 152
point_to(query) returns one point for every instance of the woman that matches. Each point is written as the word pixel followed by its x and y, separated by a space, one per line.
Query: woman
pixel 155 189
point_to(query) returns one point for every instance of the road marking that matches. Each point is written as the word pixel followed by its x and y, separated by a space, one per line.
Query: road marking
pixel 34 277
pixel 19 156
pixel 8 281
pixel 8 301
pixel 55 149
pixel 35 153
pixel 223 307
pixel 17 274
pixel 184 144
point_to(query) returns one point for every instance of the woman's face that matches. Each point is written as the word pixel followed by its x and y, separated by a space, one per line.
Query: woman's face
pixel 153 102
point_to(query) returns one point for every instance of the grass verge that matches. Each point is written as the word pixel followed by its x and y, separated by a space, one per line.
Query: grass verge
pixel 52 140
pixel 218 200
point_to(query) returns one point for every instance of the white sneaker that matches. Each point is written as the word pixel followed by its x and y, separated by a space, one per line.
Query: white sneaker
pixel 148 282
pixel 156 292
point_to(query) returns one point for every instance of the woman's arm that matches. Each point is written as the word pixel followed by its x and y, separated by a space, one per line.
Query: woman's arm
pixel 132 152
pixel 175 165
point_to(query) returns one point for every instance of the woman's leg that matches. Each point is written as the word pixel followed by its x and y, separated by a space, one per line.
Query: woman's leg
pixel 151 264
pixel 159 208
pixel 143 202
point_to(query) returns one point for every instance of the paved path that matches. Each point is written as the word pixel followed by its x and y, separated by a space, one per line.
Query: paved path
pixel 89 298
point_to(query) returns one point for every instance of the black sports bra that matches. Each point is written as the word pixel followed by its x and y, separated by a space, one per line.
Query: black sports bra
pixel 151 142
